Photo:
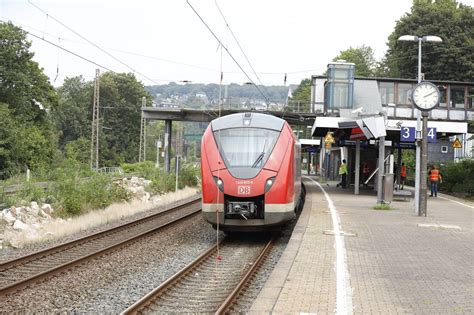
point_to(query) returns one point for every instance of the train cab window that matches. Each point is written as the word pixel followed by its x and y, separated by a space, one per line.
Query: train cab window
pixel 245 148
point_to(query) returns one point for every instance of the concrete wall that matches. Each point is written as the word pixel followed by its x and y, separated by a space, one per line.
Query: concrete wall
pixel 435 153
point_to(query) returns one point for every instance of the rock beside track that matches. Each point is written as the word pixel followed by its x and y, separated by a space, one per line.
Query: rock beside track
pixel 20 225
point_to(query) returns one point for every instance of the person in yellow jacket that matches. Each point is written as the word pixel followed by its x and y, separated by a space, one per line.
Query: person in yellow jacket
pixel 435 178
pixel 343 173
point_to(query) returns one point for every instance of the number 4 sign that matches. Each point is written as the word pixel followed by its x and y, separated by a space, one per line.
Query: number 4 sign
pixel 408 134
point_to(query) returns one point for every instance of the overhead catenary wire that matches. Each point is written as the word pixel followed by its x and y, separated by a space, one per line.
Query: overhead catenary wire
pixel 90 42
pixel 65 39
pixel 424 53
pixel 71 52
pixel 228 52
pixel 238 44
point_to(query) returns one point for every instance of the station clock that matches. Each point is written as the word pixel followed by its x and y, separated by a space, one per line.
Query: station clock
pixel 425 96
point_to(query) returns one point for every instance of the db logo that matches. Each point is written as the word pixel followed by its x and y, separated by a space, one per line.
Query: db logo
pixel 243 190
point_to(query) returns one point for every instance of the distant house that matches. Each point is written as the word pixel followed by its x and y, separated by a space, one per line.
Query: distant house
pixel 168 105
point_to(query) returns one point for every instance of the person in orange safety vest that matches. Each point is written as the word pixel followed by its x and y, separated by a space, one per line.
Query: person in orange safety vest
pixel 403 174
pixel 435 178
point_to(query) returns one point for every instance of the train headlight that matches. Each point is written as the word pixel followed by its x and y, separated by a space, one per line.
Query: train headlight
pixel 219 183
pixel 269 183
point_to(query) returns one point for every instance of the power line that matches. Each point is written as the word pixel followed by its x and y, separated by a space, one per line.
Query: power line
pixel 235 38
pixel 90 42
pixel 71 52
pixel 228 52
pixel 161 59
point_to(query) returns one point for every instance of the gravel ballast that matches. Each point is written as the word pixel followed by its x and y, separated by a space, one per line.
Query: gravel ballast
pixel 115 281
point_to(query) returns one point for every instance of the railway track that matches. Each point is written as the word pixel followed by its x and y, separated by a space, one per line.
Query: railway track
pixel 210 284
pixel 24 271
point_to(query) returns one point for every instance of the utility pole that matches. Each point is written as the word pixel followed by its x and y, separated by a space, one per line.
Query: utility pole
pixel 142 154
pixel 178 149
pixel 158 146
pixel 95 124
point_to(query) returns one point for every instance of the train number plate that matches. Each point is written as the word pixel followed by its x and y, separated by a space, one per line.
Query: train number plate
pixel 243 190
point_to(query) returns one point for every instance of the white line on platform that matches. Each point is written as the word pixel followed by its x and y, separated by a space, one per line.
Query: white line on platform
pixel 343 285
pixel 466 205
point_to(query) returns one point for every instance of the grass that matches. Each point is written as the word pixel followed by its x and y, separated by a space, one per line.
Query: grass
pixel 59 228
pixel 382 206
pixel 75 190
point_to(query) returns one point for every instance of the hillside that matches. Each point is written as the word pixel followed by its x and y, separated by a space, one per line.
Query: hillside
pixel 197 95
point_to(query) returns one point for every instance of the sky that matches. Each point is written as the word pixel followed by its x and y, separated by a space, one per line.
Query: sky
pixel 164 41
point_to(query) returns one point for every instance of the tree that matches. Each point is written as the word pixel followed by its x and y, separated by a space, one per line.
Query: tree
pixel 453 59
pixel 79 150
pixel 23 85
pixel 120 100
pixel 27 135
pixel 73 114
pixel 301 97
pixel 362 57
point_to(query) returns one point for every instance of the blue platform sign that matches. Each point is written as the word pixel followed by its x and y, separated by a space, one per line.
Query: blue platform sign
pixel 408 134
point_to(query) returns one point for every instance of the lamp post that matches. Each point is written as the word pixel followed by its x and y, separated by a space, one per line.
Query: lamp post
pixel 421 163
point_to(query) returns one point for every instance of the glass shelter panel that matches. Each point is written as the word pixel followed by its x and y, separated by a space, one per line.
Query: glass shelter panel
pixel 470 98
pixel 387 92
pixel 341 95
pixel 457 97
pixel 443 96
pixel 404 94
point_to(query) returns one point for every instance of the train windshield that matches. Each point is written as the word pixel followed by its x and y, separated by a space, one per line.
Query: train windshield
pixel 245 150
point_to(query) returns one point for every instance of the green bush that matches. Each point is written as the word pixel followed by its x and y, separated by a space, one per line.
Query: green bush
pixel 163 182
pixel 188 176
pixel 140 169
pixel 75 195
pixel 31 192
pixel 72 205
pixel 74 188
pixel 458 177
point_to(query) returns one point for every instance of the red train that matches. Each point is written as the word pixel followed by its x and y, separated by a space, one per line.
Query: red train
pixel 251 176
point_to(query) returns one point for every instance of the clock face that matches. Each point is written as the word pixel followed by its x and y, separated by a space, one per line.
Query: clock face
pixel 425 96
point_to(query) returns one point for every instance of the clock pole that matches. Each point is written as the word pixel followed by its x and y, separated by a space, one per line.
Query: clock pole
pixel 419 179
pixel 423 166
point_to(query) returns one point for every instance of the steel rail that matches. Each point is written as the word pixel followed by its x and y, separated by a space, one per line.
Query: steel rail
pixel 148 299
pixel 65 246
pixel 141 304
pixel 223 309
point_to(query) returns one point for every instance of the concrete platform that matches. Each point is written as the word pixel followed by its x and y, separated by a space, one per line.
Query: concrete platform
pixel 345 257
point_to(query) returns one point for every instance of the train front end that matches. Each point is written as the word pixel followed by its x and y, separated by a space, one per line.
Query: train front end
pixel 250 172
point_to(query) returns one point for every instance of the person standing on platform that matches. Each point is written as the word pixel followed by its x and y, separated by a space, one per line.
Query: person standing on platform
pixel 435 178
pixel 343 173
pixel 403 175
